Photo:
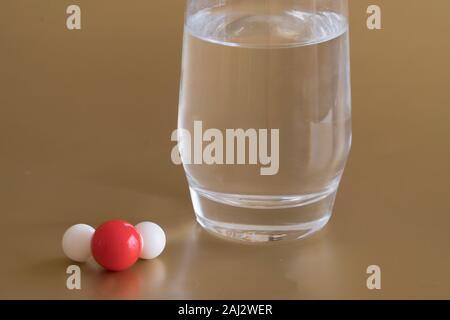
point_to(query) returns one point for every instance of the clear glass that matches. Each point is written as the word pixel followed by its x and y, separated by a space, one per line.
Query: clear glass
pixel 265 64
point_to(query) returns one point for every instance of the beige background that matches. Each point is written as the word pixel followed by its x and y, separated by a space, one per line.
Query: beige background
pixel 85 121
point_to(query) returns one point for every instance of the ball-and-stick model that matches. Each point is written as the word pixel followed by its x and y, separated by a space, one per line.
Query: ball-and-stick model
pixel 116 244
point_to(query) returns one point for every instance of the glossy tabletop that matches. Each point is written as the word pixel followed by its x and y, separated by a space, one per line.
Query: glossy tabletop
pixel 85 124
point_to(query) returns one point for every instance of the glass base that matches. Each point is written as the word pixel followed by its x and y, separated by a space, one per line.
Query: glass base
pixel 263 219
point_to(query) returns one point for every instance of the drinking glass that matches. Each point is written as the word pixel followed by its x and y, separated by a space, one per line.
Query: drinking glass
pixel 264 126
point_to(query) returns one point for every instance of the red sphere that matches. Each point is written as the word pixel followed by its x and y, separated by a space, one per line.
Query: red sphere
pixel 116 245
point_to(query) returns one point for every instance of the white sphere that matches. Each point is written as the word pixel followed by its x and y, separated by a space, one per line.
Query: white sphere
pixel 153 239
pixel 76 242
